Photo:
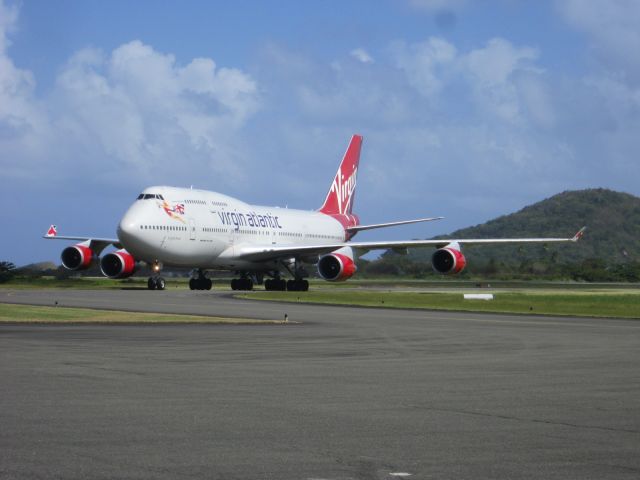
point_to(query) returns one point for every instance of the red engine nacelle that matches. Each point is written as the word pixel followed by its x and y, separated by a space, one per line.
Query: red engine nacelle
pixel 77 257
pixel 448 260
pixel 120 264
pixel 336 267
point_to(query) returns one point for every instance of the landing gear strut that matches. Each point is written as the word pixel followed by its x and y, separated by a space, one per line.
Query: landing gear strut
pixel 200 282
pixel 156 282
pixel 298 272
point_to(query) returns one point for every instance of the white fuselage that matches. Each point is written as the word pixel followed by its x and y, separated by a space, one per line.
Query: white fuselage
pixel 198 228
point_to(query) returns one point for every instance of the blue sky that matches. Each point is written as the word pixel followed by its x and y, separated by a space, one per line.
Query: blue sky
pixel 470 109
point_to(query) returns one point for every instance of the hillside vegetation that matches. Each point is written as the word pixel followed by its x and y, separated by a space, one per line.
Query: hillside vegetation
pixel 610 249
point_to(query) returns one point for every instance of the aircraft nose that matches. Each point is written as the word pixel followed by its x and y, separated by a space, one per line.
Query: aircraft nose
pixel 128 227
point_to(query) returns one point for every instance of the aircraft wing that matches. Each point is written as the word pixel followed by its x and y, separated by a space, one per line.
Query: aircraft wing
pixel 95 244
pixel 272 252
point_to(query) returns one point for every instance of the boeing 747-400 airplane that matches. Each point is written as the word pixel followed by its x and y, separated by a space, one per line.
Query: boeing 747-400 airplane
pixel 207 230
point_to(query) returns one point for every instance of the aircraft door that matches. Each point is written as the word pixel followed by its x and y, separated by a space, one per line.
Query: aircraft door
pixel 192 229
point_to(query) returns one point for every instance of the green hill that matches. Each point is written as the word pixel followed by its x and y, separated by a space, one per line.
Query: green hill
pixel 612 237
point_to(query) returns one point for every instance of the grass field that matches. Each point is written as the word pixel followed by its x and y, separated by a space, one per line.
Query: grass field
pixel 93 283
pixel 36 314
pixel 597 303
pixel 88 283
pixel 549 298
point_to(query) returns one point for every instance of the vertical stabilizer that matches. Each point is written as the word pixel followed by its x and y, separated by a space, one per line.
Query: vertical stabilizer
pixel 339 200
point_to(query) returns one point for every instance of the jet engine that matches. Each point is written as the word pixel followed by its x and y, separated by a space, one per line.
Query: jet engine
pixel 336 267
pixel 77 257
pixel 119 264
pixel 448 260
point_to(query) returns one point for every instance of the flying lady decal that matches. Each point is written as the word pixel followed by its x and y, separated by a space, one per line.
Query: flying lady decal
pixel 176 212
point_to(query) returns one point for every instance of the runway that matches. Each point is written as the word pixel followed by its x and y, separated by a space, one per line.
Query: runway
pixel 346 393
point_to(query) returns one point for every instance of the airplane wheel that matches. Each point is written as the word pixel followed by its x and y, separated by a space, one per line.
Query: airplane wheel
pixel 160 284
pixel 234 284
pixel 304 285
pixel 192 284
pixel 208 284
pixel 151 283
pixel 268 284
pixel 282 285
pixel 291 285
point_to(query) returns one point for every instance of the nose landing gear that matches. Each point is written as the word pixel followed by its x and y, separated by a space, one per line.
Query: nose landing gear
pixel 156 282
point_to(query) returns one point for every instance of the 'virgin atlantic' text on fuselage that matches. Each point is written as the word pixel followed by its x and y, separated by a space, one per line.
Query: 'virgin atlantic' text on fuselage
pixel 250 219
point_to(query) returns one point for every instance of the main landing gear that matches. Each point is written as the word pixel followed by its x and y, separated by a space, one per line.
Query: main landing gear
pixel 156 282
pixel 244 283
pixel 280 285
pixel 297 285
pixel 272 284
pixel 200 282
pixel 298 272
pixel 248 279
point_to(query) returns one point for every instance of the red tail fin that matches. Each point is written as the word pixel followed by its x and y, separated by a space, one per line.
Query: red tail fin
pixel 340 197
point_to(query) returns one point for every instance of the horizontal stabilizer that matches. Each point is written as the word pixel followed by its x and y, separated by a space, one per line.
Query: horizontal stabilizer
pixel 359 228
pixel 97 244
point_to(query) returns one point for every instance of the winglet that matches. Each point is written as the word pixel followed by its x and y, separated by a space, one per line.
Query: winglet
pixel 579 235
pixel 52 232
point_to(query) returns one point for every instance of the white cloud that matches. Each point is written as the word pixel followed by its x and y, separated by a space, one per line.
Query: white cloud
pixel 8 20
pixel 135 109
pixel 503 79
pixel 494 64
pixel 361 55
pixel 612 30
pixel 495 71
pixel 425 63
pixel 22 120
pixel 605 102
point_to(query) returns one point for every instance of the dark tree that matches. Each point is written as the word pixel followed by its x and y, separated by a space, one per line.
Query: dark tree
pixel 7 270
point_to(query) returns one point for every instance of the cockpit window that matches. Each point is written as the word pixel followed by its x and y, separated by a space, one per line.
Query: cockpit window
pixel 147 196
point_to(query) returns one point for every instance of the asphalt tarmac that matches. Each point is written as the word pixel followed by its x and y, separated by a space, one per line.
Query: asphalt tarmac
pixel 347 393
